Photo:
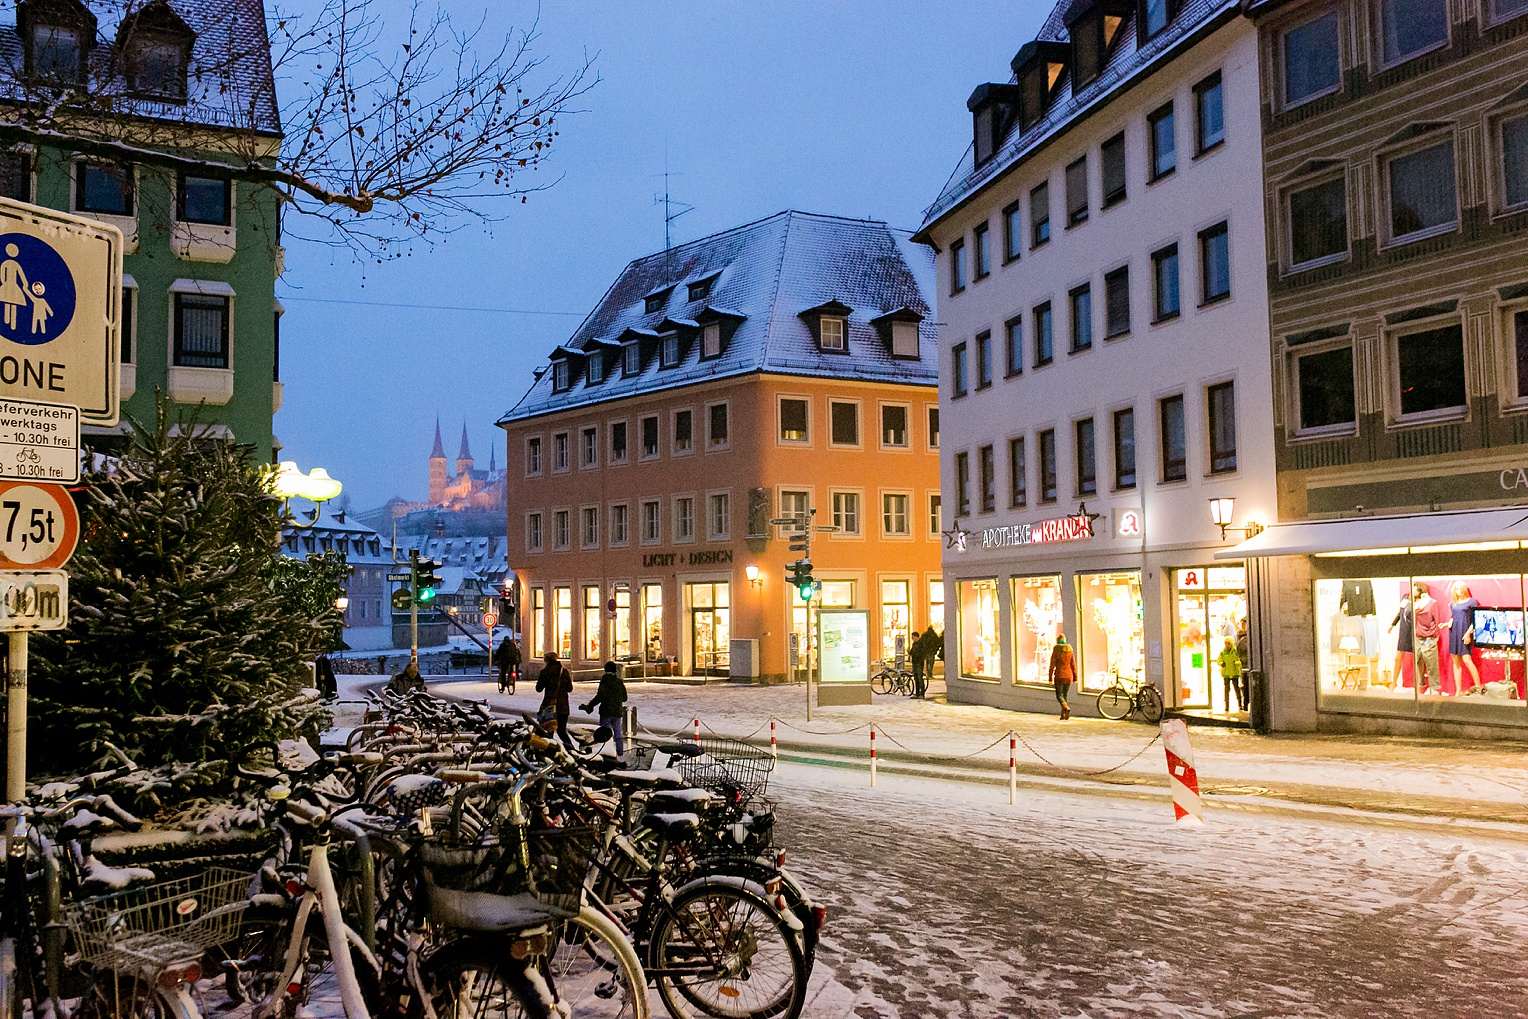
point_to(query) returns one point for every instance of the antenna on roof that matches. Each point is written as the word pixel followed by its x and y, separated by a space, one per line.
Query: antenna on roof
pixel 672 210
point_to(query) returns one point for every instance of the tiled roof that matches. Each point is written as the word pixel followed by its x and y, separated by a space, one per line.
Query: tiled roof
pixel 766 274
pixel 1126 64
pixel 360 543
pixel 228 83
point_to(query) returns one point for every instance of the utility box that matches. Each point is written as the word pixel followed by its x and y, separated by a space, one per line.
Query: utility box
pixel 744 656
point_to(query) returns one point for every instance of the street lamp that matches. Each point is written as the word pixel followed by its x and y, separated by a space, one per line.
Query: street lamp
pixel 287 482
pixel 751 571
pixel 1223 511
pixel 342 603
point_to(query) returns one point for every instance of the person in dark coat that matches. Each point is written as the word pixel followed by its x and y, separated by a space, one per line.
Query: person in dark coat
pixel 611 700
pixel 407 680
pixel 924 650
pixel 323 676
pixel 555 684
pixel 1063 671
pixel 507 658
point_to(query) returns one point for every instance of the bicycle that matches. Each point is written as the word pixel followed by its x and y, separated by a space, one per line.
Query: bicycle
pixel 1125 698
pixel 887 678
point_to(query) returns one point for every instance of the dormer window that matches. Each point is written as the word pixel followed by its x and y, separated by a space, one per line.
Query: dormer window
pixel 1039 66
pixel 669 351
pixel 561 377
pixel 655 301
pixel 56 54
pixel 831 330
pixel 1093 30
pixel 711 340
pixel 899 331
pixel 700 290
pixel 156 47
pixel 631 358
pixel 594 373
pixel 1153 16
pixel 993 110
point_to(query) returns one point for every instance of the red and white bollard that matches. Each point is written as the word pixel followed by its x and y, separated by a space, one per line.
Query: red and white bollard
pixel 1013 771
pixel 872 757
pixel 1188 807
pixel 697 732
pixel 774 747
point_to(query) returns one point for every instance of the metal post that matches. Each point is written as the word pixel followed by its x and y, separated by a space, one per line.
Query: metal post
pixel 16 718
pixel 414 607
pixel 1013 771
pixel 774 748
pixel 872 755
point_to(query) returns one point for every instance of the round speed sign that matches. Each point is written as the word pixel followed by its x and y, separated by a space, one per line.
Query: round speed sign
pixel 490 620
pixel 39 526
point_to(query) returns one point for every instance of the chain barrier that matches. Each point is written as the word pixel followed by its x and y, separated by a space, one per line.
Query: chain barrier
pixel 1087 774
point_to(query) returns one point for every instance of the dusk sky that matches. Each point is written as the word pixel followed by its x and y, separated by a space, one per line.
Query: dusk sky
pixel 848 108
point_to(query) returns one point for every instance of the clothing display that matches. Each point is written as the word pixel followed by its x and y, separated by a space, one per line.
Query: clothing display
pixel 1463 613
pixel 1403 620
pixel 1426 615
pixel 1358 598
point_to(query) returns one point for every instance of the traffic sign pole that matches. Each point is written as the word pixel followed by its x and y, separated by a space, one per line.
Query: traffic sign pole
pixel 414 607
pixel 16 718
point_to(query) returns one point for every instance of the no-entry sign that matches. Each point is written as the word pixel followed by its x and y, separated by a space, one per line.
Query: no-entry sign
pixel 39 526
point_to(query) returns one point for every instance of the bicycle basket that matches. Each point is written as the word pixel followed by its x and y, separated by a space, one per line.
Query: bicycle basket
pixel 490 888
pixel 728 765
pixel 144 930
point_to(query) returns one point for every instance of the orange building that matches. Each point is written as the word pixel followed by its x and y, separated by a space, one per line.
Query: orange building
pixel 759 374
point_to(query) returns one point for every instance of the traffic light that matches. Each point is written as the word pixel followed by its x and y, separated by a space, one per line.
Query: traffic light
pixel 800 577
pixel 485 603
pixel 426 581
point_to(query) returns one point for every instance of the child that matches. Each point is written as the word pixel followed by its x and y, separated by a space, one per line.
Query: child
pixel 40 309
pixel 1230 672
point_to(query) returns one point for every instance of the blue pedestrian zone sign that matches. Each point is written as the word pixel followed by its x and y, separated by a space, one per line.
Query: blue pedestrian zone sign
pixel 36 291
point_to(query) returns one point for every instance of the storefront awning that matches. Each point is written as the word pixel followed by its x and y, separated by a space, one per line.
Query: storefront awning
pixel 1462 530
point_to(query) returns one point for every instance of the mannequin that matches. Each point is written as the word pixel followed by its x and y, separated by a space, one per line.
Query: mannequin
pixel 1427 624
pixel 1403 642
pixel 1461 635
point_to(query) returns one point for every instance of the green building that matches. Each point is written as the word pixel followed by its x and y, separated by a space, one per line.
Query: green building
pixel 203 248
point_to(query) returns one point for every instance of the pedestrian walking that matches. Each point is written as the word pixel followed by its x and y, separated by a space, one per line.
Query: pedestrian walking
pixel 923 651
pixel 611 700
pixel 555 684
pixel 507 657
pixel 323 677
pixel 1063 672
pixel 408 680
pixel 1230 674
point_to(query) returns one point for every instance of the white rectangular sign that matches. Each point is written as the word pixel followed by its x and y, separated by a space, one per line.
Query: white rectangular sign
pixel 60 310
pixel 844 637
pixel 39 442
pixel 33 600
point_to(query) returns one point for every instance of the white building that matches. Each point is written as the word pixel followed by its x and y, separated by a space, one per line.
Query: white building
pixel 368 616
pixel 1103 344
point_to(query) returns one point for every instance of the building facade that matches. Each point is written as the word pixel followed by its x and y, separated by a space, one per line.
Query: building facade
pixel 758 374
pixel 1102 309
pixel 1396 170
pixel 202 253
pixel 368 614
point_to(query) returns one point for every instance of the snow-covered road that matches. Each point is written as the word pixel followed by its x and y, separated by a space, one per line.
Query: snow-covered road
pixel 946 902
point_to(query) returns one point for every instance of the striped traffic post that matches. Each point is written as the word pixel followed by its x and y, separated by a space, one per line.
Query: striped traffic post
pixel 1013 770
pixel 1188 807
pixel 774 747
pixel 697 732
pixel 872 756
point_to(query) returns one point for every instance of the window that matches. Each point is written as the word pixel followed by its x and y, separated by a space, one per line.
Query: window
pixel 1422 197
pixel 684 519
pixel 844 418
pixel 1082 318
pixel 711 340
pixel 1325 386
pixel 533 536
pixel 668 350
pixel 1164 151
pixel 980 620
pixel 1039 215
pixel 1501 9
pixel 1117 302
pixel 831 329
pixel 204 200
pixel 1222 404
pixel 130 314
pixel 1430 366
pixel 1087 457
pixel 894 515
pixel 562 622
pixel 987 473
pixel 958 370
pixel 560 451
pixel 1318 222
pixel 654 302
pixel 201 331
pixel 720 516
pixel 716 426
pixel 1174 442
pixel 1164 280
pixel 157 67
pixel 533 456
pixel 652 522
pixel 562 377
pixel 982 250
pixel 1047 442
pixel 1018 474
pixel 1154 16
pixel 16 175
pixel 793 420
pixel 894 426
pixel 650 437
pixel 56 54
pixel 560 535
pixel 631 359
pixel 591 624
pixel 1209 114
pixel 983 360
pixel 796 506
pixel 1410 27
pixel 619 523
pixel 1013 233
pixel 1124 448
pixel 1040 320
pixel 618 442
pixel 846 512
pixel 1214 264
pixel 1312 65
pixel 933 428
pixel 962 484
pixel 537 632
pixel 594 369
pixel 1112 154
pixel 589 446
pixel 1077 192
pixel 957 266
pixel 684 431
pixel 1013 345
pixel 590 516
pixel 1518 326
pixel 700 290
pixel 1514 155
pixel 104 189
pixel 904 339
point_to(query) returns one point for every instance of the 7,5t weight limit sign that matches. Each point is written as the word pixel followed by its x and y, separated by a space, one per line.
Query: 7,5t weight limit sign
pixel 39 526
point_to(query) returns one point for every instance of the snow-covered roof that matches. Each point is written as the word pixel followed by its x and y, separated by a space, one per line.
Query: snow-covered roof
pixel 229 82
pixel 1126 64
pixel 330 533
pixel 762 276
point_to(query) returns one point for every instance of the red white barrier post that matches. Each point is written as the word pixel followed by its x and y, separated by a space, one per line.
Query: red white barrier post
pixel 1013 771
pixel 1188 807
pixel 697 732
pixel 872 756
pixel 774 748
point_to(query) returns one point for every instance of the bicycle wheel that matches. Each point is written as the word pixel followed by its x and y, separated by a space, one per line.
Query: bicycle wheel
pixel 595 970
pixel 1115 703
pixel 720 950
pixel 1150 704
pixel 479 978
pixel 882 682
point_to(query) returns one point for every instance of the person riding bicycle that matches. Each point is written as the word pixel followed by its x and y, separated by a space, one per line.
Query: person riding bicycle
pixel 1063 671
pixel 507 657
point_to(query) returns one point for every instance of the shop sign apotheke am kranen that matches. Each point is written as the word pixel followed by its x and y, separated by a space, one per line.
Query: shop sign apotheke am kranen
pixel 1077 527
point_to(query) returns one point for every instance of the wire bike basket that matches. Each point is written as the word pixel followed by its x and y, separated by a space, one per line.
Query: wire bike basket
pixel 728 765
pixel 145 930
pixel 529 877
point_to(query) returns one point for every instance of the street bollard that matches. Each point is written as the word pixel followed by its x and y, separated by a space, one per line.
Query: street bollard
pixel 872 757
pixel 697 732
pixel 774 748
pixel 1188 808
pixel 1013 771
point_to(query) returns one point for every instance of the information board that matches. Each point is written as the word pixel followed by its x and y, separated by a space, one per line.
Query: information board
pixel 844 637
pixel 39 442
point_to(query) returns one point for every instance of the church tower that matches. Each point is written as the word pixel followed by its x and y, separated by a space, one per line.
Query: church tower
pixel 437 469
pixel 464 457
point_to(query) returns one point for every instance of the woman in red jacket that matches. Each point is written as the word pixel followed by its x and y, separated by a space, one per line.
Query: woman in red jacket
pixel 1063 670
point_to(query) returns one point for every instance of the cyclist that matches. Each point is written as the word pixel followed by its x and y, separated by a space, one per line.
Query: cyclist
pixel 507 658
pixel 1063 670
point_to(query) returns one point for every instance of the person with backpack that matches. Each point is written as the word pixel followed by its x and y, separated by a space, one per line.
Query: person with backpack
pixel 611 700
pixel 1063 672
pixel 555 684
pixel 507 657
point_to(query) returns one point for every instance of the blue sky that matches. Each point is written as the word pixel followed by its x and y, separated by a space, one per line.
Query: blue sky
pixel 848 107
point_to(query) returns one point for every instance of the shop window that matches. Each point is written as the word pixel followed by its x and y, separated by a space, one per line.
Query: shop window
pixel 1018 474
pixel 1214 264
pixel 894 426
pixel 1039 215
pixel 652 622
pixel 1047 444
pixel 1325 388
pixel 1412 27
pixel 1422 193
pixel 1040 324
pixel 620 626
pixel 980 646
pixel 896 619
pixel 1117 302
pixel 562 623
pixel 981 244
pixel 936 605
pixel 1318 223
pixel 537 635
pixel 793 420
pixel 1013 232
pixel 1209 114
pixel 1221 400
pixel 1430 370
pixel 1077 192
pixel 1312 64
pixel 957 266
pixel 1514 154
pixel 1037 616
pixel 1162 135
pixel 987 473
pixel 1124 449
pixel 1111 629
pixel 1211 612
pixel 591 624
pixel 1013 345
pixel 1087 459
pixel 1164 280
pixel 1174 442
pixel 1081 300
pixel 962 484
pixel 844 421
pixel 983 359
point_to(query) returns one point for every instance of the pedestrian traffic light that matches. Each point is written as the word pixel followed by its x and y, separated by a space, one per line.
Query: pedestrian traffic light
pixel 426 581
pixel 800 577
pixel 485 603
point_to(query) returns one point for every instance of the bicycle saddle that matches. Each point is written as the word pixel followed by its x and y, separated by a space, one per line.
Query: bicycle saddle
pixel 664 778
pixel 671 826
pixel 680 750
pixel 407 794
pixel 679 801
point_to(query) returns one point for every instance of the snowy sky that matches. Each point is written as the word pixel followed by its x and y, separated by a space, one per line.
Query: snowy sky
pixel 850 107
